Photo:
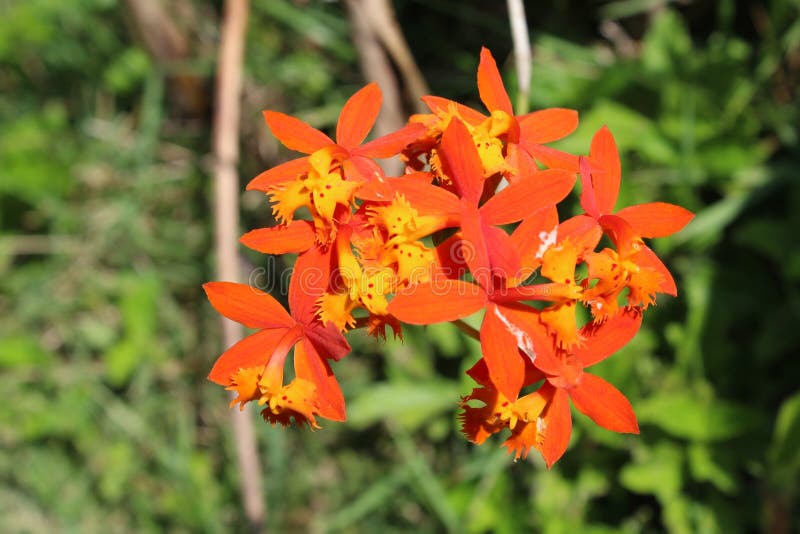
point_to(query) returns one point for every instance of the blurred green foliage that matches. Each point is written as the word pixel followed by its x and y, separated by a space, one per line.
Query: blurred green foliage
pixel 105 339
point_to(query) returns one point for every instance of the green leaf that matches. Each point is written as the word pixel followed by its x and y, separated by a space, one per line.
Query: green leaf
pixel 725 156
pixel 411 404
pixel 446 337
pixel 784 452
pixel 704 467
pixel 657 471
pixel 769 236
pixel 686 416
pixel 428 485
pixel 22 350
pixel 139 307
pixel 25 173
pixel 677 515
pixel 667 45
pixel 117 464
pixel 375 496
pixel 632 131
pixel 707 227
pixel 127 71
pixel 121 361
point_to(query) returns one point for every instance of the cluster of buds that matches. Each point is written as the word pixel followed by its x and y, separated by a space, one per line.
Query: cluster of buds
pixel 472 226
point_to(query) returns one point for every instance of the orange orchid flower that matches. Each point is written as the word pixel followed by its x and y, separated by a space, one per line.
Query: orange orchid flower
pixel 444 300
pixel 633 264
pixel 535 420
pixel 542 419
pixel 254 366
pixel 491 250
pixel 556 249
pixel 492 257
pixel 355 121
pixel 326 180
pixel 531 131
pixel 525 135
pixel 365 260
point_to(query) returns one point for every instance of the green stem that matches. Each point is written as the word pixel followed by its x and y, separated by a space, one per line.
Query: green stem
pixel 467 329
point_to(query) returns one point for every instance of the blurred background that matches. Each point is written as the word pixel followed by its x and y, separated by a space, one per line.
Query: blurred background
pixel 106 235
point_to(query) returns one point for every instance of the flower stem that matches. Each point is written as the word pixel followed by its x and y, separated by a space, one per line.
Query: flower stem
pixel 467 329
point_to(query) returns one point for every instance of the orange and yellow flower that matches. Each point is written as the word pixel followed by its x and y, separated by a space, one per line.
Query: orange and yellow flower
pixel 443 242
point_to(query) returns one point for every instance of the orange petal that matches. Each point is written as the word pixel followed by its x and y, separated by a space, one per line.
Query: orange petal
pixel 308 365
pixel 588 197
pixel 391 144
pixel 358 116
pixel 244 383
pixel 438 301
pixel 530 193
pixel 247 305
pixel 582 231
pixel 656 219
pixel 296 134
pixel 501 353
pixel 620 233
pixel 252 351
pixel 490 85
pixel 608 337
pixel 522 439
pixel 359 168
pixel 295 237
pixel 462 162
pixel 425 197
pixel 550 292
pixel 480 422
pixel 473 244
pixel 604 404
pixel 296 401
pixel 328 341
pixel 647 258
pixel 441 105
pixel 521 161
pixel 556 427
pixel 503 255
pixel 603 151
pixel 560 321
pixel 375 191
pixel 285 172
pixel 310 279
pixel 383 189
pixel 527 319
pixel 479 373
pixel 451 257
pixel 559 262
pixel 550 157
pixel 548 125
pixel 531 236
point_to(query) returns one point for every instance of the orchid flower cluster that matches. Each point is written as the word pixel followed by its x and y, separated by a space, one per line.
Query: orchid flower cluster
pixel 472 226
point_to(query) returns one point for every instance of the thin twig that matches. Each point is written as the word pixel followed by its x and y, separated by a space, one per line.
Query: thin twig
pixel 375 66
pixel 624 45
pixel 161 36
pixel 226 216
pixel 383 22
pixel 522 53
pixel 23 245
